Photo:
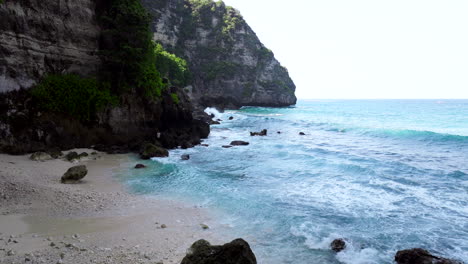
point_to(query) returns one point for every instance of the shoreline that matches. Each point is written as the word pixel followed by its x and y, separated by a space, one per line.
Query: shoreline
pixel 97 220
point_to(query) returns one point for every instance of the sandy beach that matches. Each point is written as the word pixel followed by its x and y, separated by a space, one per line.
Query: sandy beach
pixel 95 221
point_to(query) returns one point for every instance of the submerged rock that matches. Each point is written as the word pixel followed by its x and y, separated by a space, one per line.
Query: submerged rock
pixel 239 143
pixel 185 157
pixel 302 133
pixel 40 156
pixel 420 256
pixel 261 133
pixel 72 155
pixel 236 252
pixel 150 150
pixel 227 146
pixel 231 118
pixel 338 245
pixel 140 166
pixel 74 174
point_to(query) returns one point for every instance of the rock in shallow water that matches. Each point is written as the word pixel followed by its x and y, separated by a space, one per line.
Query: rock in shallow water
pixel 74 174
pixel 185 157
pixel 239 143
pixel 420 256
pixel 338 245
pixel 149 150
pixel 236 252
pixel 140 166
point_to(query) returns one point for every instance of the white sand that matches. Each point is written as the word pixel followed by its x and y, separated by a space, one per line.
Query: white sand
pixel 95 221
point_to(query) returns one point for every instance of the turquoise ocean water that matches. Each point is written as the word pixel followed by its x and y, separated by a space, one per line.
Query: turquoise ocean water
pixel 385 175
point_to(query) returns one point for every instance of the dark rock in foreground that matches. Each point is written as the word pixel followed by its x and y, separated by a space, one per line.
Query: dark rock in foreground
pixel 140 166
pixel 239 143
pixel 261 133
pixel 236 252
pixel 420 256
pixel 150 150
pixel 185 157
pixel 74 174
pixel 338 245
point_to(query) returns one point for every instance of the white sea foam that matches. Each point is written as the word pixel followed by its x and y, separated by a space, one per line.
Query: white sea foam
pixel 214 111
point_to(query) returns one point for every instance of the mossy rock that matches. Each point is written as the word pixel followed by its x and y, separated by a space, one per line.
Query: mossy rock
pixel 72 155
pixel 150 150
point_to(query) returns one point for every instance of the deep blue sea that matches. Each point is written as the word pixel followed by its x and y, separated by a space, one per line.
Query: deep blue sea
pixel 385 175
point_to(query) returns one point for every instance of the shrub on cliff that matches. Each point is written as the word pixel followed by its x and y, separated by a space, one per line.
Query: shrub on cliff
pixel 73 96
pixel 128 49
pixel 171 66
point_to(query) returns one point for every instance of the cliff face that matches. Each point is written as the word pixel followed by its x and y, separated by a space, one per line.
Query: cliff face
pixel 229 64
pixel 38 37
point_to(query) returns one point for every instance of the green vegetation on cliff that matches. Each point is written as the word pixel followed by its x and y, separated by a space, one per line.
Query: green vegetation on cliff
pixel 73 96
pixel 132 63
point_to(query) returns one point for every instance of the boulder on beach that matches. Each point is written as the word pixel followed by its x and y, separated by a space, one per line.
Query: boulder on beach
pixel 55 153
pixel 236 252
pixel 140 166
pixel 74 174
pixel 72 155
pixel 150 150
pixel 261 133
pixel 420 256
pixel 239 143
pixel 185 157
pixel 40 156
pixel 83 154
pixel 338 245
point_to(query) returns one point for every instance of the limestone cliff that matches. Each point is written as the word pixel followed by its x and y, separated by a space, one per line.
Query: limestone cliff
pixel 38 37
pixel 230 66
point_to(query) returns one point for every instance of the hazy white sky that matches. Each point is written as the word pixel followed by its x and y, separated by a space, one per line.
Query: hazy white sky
pixel 366 48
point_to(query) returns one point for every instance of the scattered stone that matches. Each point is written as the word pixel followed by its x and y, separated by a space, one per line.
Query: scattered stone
pixel 10 253
pixel 163 226
pixel 71 156
pixel 227 146
pixel 236 252
pixel 420 256
pixel 185 157
pixel 302 133
pixel 40 156
pixel 204 226
pixel 261 133
pixel 150 150
pixel 140 166
pixel 204 145
pixel 62 255
pixel 239 143
pixel 82 155
pixel 74 174
pixel 76 236
pixel 231 118
pixel 52 244
pixel 338 245
pixel 55 153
